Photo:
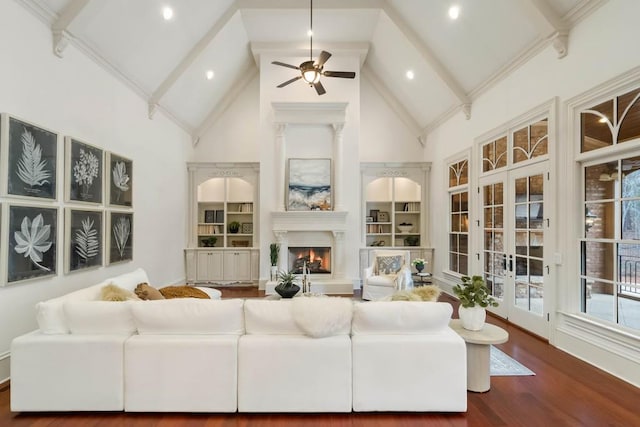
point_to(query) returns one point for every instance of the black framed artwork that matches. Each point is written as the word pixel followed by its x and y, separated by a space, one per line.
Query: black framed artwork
pixel 32 247
pixel 120 229
pixel 84 239
pixel 84 172
pixel 32 159
pixel 120 180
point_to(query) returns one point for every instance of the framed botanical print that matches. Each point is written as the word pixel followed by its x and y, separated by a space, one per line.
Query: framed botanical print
pixel 32 242
pixel 120 230
pixel 84 239
pixel 31 159
pixel 120 180
pixel 84 172
pixel 309 185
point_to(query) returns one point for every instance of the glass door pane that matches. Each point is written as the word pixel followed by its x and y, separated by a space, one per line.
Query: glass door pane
pixel 493 231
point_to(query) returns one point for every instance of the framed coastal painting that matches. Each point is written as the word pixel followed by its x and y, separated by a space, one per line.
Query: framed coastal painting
pixel 309 185
pixel 31 159
pixel 120 241
pixel 120 182
pixel 84 239
pixel 32 242
pixel 84 172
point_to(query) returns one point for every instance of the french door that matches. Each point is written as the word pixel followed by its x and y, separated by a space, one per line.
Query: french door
pixel 513 257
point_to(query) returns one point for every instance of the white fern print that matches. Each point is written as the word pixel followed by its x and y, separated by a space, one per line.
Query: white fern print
pixel 32 238
pixel 120 178
pixel 32 170
pixel 87 243
pixel 121 231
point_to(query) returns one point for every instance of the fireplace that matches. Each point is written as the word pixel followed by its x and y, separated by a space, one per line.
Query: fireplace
pixel 316 258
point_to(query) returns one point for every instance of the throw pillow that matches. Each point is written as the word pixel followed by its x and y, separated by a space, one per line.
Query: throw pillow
pixel 183 292
pixel 146 292
pixel 388 264
pixel 112 292
pixel 428 292
pixel 405 296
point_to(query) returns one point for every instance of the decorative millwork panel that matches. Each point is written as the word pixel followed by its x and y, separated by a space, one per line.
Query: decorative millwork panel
pixel 392 173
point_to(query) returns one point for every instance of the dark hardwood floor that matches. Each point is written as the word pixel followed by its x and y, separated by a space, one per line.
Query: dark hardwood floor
pixel 564 392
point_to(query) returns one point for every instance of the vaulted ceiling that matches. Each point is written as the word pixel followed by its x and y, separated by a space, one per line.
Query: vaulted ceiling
pixel 453 61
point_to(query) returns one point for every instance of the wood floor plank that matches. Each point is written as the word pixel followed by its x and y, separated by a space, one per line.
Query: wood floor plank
pixel 564 392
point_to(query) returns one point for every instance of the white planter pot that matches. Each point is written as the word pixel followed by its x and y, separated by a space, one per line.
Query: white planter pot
pixel 274 273
pixel 472 318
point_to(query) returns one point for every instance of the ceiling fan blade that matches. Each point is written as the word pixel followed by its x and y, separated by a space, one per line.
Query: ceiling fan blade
pixel 324 56
pixel 319 88
pixel 282 64
pixel 289 81
pixel 342 74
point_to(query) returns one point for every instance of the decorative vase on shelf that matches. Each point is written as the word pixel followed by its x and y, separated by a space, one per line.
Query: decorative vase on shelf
pixel 472 318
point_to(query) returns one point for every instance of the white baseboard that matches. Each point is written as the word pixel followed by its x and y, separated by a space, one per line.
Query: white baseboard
pixel 5 366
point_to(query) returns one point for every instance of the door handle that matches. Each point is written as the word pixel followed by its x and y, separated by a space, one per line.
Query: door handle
pixel 511 263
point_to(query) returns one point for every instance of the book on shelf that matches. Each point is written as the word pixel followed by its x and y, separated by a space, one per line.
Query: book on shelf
pixel 411 207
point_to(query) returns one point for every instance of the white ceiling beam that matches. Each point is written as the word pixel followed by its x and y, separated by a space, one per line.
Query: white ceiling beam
pixel 60 27
pixel 190 58
pixel 246 77
pixel 550 25
pixel 393 102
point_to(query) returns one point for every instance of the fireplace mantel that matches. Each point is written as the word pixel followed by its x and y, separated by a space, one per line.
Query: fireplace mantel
pixel 309 221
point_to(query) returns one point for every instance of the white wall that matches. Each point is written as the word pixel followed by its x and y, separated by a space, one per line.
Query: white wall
pixel 76 97
pixel 598 51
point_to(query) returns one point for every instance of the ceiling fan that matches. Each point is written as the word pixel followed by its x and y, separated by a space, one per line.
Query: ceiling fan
pixel 311 71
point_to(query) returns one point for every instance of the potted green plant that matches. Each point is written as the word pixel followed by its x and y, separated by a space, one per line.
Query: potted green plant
pixel 209 242
pixel 418 263
pixel 234 226
pixel 274 252
pixel 286 287
pixel 474 296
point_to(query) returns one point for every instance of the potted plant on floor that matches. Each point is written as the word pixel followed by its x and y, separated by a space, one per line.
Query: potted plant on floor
pixel 274 252
pixel 474 297
pixel 286 287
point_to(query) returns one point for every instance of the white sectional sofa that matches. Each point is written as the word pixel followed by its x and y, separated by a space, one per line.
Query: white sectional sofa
pixel 193 355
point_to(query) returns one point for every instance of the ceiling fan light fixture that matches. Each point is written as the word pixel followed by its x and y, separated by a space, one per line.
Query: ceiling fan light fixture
pixel 311 76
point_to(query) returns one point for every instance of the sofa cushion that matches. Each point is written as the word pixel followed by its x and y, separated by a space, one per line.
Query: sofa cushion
pixel 388 264
pixel 323 316
pixel 99 317
pixel 383 280
pixel 267 317
pixel 130 280
pixel 189 316
pixel 50 314
pixel 400 317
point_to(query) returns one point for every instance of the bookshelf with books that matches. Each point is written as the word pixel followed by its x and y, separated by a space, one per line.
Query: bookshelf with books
pixel 223 247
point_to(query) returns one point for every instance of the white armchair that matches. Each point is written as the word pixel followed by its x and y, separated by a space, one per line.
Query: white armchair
pixel 389 271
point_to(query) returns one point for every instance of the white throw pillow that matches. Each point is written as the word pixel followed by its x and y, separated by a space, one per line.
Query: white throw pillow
pixel 400 317
pixel 99 317
pixel 193 316
pixel 129 281
pixel 323 317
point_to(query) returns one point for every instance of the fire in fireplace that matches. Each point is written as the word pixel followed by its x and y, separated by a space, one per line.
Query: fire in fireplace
pixel 317 259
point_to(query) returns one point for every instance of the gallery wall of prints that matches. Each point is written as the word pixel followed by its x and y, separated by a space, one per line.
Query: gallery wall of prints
pixel 67 204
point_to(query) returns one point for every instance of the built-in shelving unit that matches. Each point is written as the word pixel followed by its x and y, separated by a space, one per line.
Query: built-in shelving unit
pixel 223 242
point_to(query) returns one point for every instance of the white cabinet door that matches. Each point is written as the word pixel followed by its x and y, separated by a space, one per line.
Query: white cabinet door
pixel 209 266
pixel 237 265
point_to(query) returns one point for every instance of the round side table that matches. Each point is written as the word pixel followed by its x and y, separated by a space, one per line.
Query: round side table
pixel 478 342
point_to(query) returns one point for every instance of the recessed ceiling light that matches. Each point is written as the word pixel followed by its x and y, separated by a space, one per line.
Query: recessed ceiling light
pixel 167 13
pixel 309 33
pixel 210 74
pixel 603 120
pixel 454 11
pixel 410 75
